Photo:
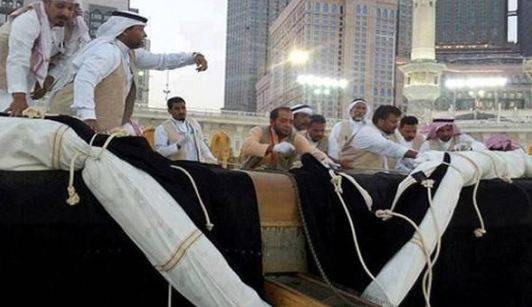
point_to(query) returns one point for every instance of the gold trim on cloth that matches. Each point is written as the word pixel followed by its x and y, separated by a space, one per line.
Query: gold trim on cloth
pixel 180 251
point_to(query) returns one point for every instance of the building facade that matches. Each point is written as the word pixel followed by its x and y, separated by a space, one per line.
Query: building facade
pixel 7 7
pixel 475 22
pixel 351 49
pixel 247 51
pixel 524 28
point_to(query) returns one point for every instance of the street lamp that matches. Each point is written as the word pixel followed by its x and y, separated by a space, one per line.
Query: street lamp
pixel 298 57
pixel 475 87
pixel 322 85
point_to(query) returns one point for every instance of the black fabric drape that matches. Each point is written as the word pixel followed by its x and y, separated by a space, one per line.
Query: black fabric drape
pixel 329 228
pixel 492 271
pixel 56 255
pixel 229 197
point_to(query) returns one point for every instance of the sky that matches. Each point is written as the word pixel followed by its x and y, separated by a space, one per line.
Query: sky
pixel 198 25
pixel 185 25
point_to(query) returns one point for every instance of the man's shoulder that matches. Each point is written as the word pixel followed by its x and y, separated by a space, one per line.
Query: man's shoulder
pixel 28 20
pixel 166 122
pixel 192 121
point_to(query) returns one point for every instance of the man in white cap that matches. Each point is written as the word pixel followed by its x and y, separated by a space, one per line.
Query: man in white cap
pixel 104 88
pixel 32 51
pixel 359 113
pixel 444 135
pixel 302 113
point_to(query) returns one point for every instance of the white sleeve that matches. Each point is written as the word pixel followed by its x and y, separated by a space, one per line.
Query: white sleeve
pixel 333 151
pixel 475 145
pixel 376 143
pixel 24 31
pixel 424 147
pixel 161 143
pixel 147 60
pixel 99 63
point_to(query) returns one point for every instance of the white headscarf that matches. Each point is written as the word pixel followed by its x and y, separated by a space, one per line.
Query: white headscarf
pixel 356 101
pixel 302 108
pixel 109 31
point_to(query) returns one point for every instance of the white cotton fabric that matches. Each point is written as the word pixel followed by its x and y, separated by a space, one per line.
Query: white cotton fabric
pixel 399 275
pixel 144 210
pixel 28 145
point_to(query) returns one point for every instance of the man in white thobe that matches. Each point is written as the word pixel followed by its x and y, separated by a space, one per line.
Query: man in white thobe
pixel 359 116
pixel 180 137
pixel 374 147
pixel 444 135
pixel 104 88
pixel 33 50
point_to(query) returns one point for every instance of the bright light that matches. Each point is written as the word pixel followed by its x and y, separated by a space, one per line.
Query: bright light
pixel 298 57
pixel 323 82
pixel 476 82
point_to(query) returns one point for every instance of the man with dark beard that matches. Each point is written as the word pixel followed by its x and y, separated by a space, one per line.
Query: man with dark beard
pixel 31 51
pixel 278 145
pixel 104 88
pixel 375 147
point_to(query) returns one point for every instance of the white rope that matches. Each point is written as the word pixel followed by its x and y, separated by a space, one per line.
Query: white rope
pixel 361 190
pixel 336 180
pixel 506 177
pixel 386 215
pixel 73 196
pixel 208 224
pixel 479 232
pixel 427 280
pixel 169 295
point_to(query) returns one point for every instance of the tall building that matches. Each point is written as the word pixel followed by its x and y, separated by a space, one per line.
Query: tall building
pixel 472 22
pixel 351 46
pixel 247 49
pixel 524 30
pixel 404 29
pixel 7 7
pixel 476 76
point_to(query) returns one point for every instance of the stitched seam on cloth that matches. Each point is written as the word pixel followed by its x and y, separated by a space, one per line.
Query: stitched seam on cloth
pixel 180 251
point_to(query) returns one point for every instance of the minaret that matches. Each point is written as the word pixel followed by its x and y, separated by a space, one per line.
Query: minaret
pixel 423 74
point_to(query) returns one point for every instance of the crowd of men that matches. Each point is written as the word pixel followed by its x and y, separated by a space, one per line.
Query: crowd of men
pixel 46 51
pixel 382 140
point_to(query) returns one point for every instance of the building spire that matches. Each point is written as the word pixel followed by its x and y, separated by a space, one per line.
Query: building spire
pixel 424 30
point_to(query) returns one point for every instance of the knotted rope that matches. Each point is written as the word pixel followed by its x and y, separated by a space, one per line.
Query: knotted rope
pixel 336 181
pixel 73 196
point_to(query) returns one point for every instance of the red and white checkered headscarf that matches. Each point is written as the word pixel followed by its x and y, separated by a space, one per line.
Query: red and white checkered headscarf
pixel 431 130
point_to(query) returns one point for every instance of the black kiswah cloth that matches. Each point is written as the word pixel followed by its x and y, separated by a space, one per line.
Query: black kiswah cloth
pixel 495 270
pixel 233 209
